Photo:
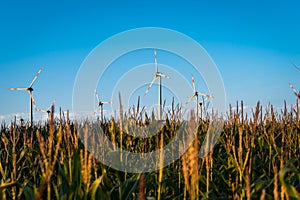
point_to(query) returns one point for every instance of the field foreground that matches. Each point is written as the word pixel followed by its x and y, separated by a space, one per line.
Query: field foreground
pixel 255 157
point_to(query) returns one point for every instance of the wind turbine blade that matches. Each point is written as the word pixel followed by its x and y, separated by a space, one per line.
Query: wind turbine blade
pixel 40 110
pixel 107 102
pixel 204 95
pixel 23 89
pixel 193 82
pixel 52 104
pixel 36 109
pixel 97 95
pixel 35 106
pixel 190 99
pixel 164 76
pixel 155 60
pixel 97 109
pixel 36 76
pixel 296 67
pixel 208 96
pixel 155 77
pixel 295 91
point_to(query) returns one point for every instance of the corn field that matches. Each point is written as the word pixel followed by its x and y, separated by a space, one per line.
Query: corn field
pixel 256 157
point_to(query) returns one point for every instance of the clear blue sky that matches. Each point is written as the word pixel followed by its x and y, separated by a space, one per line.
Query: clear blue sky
pixel 253 43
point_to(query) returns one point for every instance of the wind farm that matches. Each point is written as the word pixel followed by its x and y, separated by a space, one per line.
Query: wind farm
pixel 66 147
pixel 210 100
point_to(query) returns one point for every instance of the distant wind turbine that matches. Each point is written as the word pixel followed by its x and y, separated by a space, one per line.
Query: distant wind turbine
pixel 158 75
pixel 100 104
pixel 30 89
pixel 196 95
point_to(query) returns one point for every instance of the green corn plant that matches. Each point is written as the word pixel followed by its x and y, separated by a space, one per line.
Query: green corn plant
pixel 256 157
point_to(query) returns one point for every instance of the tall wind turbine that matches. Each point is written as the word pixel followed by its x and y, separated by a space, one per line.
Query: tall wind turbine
pixel 158 75
pixel 100 105
pixel 196 95
pixel 30 89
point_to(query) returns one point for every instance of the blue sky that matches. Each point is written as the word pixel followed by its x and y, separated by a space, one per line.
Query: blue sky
pixel 253 43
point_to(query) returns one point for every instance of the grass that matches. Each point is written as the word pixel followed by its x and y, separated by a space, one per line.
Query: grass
pixel 255 157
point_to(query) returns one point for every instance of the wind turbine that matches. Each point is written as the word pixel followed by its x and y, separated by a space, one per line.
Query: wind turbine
pixel 100 105
pixel 196 95
pixel 30 89
pixel 158 75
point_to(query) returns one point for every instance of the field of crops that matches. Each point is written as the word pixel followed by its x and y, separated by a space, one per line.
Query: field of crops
pixel 255 157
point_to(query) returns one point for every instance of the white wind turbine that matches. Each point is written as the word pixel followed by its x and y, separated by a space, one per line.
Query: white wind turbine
pixel 29 89
pixel 196 95
pixel 158 75
pixel 100 105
